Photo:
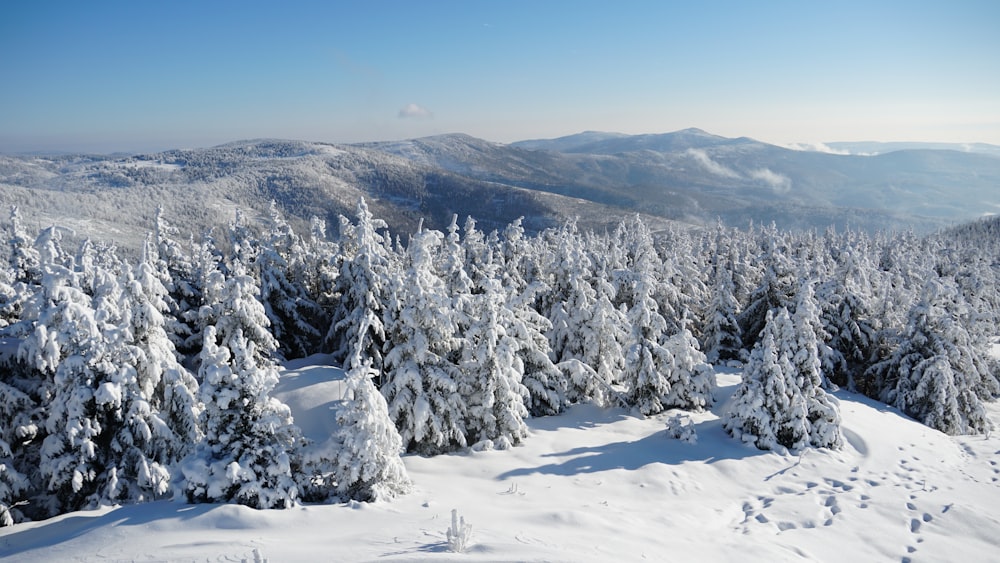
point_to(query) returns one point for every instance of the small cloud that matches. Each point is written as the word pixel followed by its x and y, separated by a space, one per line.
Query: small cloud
pixel 816 147
pixel 415 111
pixel 779 182
pixel 712 166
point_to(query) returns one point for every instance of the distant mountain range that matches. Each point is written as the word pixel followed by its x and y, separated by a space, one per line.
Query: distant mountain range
pixel 688 176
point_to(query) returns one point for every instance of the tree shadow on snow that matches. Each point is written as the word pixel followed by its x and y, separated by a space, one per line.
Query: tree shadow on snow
pixel 713 445
pixel 59 529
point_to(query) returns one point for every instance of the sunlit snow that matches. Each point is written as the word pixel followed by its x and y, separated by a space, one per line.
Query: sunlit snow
pixel 593 485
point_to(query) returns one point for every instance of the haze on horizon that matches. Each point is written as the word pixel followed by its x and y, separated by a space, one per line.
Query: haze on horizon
pixel 142 76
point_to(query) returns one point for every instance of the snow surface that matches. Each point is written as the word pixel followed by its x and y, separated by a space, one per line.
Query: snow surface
pixel 594 485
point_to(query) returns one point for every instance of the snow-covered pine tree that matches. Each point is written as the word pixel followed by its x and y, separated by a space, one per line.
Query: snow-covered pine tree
pixel 101 439
pixel 449 265
pixel 238 310
pixel 776 288
pixel 357 324
pixel 24 258
pixel 936 374
pixel 780 401
pixel 571 297
pixel 721 336
pixel 170 389
pixel 205 288
pixel 605 336
pixel 547 385
pixel 176 272
pixel 762 409
pixel 368 467
pixel 844 311
pixel 491 373
pixel 291 312
pixel 803 347
pixel 692 380
pixel 517 263
pixel 244 247
pixel 18 429
pixel 647 361
pixel 48 245
pixel 806 318
pixel 421 378
pixel 21 275
pixel 320 267
pixel 250 450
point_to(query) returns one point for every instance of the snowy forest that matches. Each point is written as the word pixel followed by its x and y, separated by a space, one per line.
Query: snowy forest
pixel 130 376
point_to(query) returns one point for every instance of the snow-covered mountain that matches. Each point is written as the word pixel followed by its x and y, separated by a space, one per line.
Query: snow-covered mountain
pixel 690 176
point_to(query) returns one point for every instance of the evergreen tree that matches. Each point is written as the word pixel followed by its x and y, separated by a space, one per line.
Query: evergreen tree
pixel 363 286
pixel 765 411
pixel 803 345
pixel 546 384
pixel 779 401
pixel 846 319
pixel 647 361
pixel 250 450
pixel 102 438
pixel 168 387
pixel 289 309
pixel 721 336
pixel 936 374
pixel 776 288
pixel 18 428
pixel 491 376
pixel 24 259
pixel 421 379
pixel 692 380
pixel 369 467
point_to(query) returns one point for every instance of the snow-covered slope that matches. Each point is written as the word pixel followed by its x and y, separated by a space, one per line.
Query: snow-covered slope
pixel 594 485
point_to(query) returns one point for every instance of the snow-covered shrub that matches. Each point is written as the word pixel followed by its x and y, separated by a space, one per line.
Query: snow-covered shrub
pixel 459 534
pixel 681 427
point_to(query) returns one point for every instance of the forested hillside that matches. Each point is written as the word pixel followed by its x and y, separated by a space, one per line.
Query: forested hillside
pixel 126 380
pixel 689 177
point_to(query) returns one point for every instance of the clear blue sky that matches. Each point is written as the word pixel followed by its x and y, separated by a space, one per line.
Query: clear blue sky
pixel 144 75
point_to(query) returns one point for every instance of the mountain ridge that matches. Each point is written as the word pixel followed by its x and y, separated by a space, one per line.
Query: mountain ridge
pixel 690 176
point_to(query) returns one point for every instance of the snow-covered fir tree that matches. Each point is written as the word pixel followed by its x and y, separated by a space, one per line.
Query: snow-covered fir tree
pixel 547 386
pixel 721 336
pixel 776 406
pixel 292 314
pixel 102 438
pixel 776 288
pixel 647 361
pixel 936 373
pixel 357 324
pixel 168 386
pixel 18 428
pixel 491 373
pixel 368 464
pixel 250 450
pixel 845 313
pixel 803 345
pixel 692 379
pixel 421 378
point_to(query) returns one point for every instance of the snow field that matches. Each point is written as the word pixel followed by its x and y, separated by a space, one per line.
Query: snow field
pixel 594 485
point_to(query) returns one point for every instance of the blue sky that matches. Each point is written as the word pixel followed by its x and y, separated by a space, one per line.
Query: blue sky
pixel 136 76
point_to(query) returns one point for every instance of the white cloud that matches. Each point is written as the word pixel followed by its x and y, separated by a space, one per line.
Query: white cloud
pixel 815 147
pixel 779 182
pixel 703 159
pixel 415 111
